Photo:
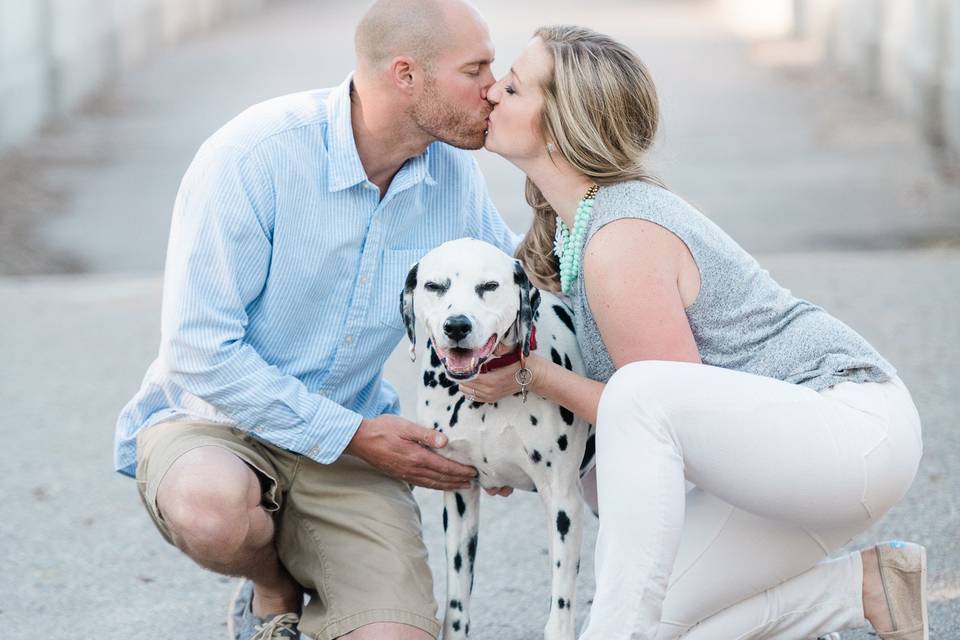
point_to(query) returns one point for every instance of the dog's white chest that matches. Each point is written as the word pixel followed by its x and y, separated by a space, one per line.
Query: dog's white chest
pixel 498 448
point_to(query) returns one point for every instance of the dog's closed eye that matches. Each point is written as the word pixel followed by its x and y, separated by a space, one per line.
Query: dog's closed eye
pixel 487 286
pixel 437 287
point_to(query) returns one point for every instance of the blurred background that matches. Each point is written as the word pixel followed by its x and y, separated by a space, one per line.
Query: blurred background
pixel 823 135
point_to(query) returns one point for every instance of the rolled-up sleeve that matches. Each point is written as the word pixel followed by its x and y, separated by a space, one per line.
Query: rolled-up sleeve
pixel 217 265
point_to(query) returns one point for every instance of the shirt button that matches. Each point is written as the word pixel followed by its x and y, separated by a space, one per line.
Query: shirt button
pixel 322 393
pixel 315 451
pixel 363 280
pixel 258 428
pixel 348 339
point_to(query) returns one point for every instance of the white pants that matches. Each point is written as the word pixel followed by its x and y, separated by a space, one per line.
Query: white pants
pixel 783 476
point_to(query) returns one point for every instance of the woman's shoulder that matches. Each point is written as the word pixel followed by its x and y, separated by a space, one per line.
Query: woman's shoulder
pixel 644 200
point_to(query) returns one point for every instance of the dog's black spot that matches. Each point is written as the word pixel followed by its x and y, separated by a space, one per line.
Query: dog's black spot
pixel 426 403
pixel 445 382
pixel 436 425
pixel 434 358
pixel 563 524
pixel 429 378
pixel 558 564
pixel 444 518
pixel 564 317
pixel 472 549
pixel 578 567
pixel 555 356
pixel 566 363
pixel 448 407
pixel 561 603
pixel 549 464
pixel 562 443
pixel 461 505
pixel 466 629
pixel 533 420
pixel 457 562
pixel 484 458
pixel 456 604
pixel 454 390
pixel 456 410
pixel 496 405
pixel 456 625
pixel 535 456
pixel 588 451
pixel 567 415
pixel 476 405
pixel 483 417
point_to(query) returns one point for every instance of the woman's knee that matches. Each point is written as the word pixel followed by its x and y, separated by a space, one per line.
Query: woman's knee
pixel 634 393
pixel 206 498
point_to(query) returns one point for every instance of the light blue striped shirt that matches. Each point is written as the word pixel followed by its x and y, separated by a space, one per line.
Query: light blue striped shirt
pixel 283 276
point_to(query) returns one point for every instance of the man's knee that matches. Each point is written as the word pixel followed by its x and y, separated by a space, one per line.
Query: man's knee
pixel 206 498
pixel 387 631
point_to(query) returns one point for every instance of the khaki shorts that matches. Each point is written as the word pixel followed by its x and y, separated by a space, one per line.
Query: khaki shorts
pixel 347 533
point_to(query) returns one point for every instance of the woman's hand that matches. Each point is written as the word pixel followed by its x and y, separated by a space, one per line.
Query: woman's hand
pixel 500 383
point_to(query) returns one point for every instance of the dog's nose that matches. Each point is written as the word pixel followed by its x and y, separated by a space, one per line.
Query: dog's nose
pixel 457 327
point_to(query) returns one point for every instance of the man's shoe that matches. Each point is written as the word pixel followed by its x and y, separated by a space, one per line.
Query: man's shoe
pixel 243 625
pixel 903 573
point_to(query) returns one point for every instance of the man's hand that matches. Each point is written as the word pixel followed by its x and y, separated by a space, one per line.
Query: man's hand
pixel 401 449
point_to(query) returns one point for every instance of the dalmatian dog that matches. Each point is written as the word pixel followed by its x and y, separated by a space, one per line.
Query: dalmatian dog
pixel 471 297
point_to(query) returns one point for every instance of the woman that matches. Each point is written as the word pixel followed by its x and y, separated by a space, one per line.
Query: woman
pixel 795 433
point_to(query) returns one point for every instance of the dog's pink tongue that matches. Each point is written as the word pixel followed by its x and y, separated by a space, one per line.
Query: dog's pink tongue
pixel 458 360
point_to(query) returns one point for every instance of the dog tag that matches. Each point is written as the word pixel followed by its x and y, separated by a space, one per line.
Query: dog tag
pixel 523 377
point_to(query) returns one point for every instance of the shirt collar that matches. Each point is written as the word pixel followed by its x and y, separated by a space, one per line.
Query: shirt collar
pixel 344 170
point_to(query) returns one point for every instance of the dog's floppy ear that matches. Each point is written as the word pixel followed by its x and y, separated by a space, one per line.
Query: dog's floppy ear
pixel 528 306
pixel 406 309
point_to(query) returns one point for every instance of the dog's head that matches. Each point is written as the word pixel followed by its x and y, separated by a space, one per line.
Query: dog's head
pixel 471 298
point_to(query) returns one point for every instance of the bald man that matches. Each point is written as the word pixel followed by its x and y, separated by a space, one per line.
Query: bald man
pixel 264 441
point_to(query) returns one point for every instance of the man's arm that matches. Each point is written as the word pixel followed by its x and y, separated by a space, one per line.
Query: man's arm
pixel 217 264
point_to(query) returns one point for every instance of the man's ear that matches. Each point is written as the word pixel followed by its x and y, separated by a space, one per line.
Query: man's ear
pixel 402 73
pixel 528 305
pixel 407 311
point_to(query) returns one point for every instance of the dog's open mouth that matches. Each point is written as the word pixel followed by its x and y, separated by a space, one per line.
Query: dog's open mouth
pixel 465 363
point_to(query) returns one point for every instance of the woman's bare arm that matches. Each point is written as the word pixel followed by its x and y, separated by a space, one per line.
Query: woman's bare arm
pixel 631 269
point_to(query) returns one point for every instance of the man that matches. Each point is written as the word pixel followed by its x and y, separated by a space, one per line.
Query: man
pixel 263 440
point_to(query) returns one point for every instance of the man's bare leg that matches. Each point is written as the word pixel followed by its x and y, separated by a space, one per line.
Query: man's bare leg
pixel 210 501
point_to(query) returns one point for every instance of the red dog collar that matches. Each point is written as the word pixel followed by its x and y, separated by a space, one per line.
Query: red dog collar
pixel 509 358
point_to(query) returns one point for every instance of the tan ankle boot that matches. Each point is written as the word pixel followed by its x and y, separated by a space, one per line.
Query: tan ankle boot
pixel 903 572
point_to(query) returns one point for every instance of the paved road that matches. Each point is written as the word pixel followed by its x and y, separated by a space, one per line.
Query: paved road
pixel 834 195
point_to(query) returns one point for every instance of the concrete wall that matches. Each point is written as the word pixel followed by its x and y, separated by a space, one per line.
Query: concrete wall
pixel 54 54
pixel 907 51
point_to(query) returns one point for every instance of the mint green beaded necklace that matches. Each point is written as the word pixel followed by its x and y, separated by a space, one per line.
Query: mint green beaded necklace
pixel 567 244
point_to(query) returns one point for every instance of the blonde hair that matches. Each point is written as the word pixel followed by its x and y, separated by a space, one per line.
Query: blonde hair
pixel 601 112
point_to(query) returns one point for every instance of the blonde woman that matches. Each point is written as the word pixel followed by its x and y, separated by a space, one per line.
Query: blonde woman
pixel 793 432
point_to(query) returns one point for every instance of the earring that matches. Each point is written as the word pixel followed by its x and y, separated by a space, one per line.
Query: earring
pixel 550 147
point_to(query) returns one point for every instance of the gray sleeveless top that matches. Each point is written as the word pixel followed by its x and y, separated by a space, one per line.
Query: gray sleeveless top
pixel 742 319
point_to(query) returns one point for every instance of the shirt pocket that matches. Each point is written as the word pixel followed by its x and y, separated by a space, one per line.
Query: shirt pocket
pixel 393 275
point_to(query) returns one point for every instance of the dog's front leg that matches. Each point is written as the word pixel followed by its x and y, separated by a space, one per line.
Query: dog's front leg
pixel 461 519
pixel 564 506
